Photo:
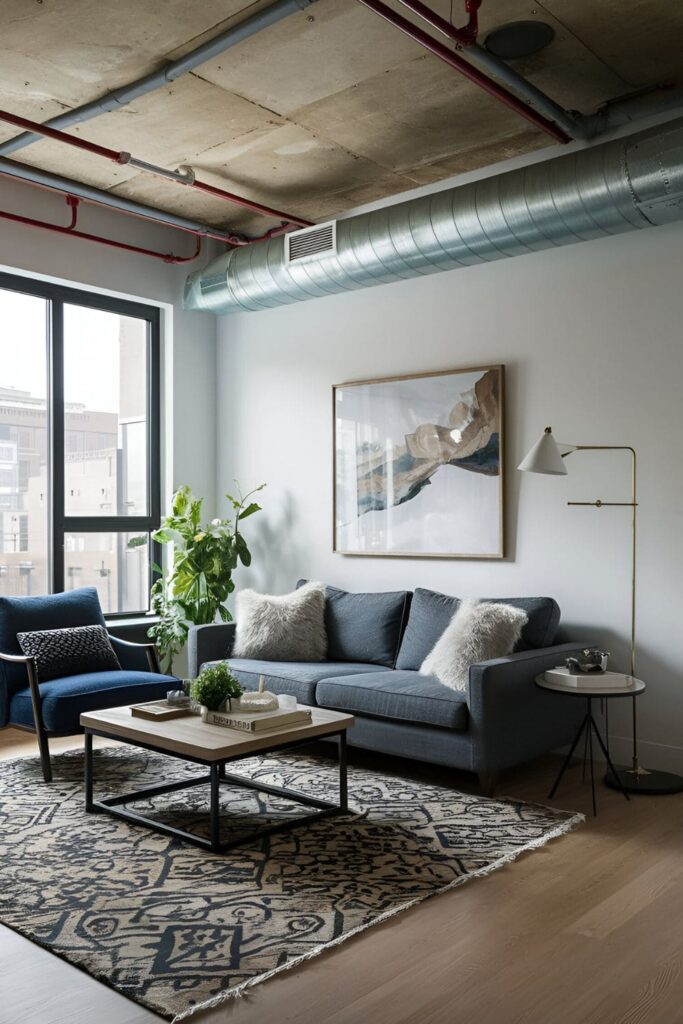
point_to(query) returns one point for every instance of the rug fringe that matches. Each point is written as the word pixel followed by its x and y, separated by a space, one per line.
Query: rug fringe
pixel 507 858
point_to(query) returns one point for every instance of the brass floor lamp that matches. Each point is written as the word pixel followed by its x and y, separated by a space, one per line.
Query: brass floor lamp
pixel 548 457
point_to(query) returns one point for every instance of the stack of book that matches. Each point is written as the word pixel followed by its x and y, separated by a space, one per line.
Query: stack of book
pixel 259 721
pixel 586 680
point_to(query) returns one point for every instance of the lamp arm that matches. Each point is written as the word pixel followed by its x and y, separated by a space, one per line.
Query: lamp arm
pixel 633 505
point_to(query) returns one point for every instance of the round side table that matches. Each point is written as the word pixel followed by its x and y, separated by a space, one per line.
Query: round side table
pixel 589 727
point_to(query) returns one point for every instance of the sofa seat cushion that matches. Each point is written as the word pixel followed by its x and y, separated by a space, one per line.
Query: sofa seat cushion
pixel 63 700
pixel 298 678
pixel 406 696
pixel 431 613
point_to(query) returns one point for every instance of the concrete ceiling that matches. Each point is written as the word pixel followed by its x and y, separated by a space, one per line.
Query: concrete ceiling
pixel 326 110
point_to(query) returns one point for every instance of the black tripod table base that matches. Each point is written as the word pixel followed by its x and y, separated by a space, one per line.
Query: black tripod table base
pixel 647 783
pixel 588 729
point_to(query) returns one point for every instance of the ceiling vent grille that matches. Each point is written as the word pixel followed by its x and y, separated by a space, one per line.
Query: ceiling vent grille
pixel 311 243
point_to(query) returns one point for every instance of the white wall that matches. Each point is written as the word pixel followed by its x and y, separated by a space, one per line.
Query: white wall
pixel 189 339
pixel 591 339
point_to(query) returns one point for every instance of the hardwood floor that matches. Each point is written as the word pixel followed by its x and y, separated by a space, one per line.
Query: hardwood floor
pixel 587 930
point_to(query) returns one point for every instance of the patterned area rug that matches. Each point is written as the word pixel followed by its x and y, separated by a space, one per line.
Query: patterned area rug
pixel 178 929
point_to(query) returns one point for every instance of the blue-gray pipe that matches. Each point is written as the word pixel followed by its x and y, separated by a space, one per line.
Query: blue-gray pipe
pixel 608 189
pixel 23 172
pixel 169 73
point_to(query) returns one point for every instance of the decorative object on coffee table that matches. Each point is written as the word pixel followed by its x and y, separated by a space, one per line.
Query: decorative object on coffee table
pixel 418 465
pixel 215 688
pixel 547 457
pixel 159 710
pixel 178 699
pixel 259 700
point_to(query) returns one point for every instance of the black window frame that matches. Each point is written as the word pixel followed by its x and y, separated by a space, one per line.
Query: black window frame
pixel 60 524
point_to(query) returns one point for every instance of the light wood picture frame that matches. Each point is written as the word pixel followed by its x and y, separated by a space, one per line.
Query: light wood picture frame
pixel 418 465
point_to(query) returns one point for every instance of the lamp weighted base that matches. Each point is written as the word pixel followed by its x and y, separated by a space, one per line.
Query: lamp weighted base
pixel 647 783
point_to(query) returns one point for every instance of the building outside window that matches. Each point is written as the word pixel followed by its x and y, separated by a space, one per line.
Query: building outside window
pixel 79 443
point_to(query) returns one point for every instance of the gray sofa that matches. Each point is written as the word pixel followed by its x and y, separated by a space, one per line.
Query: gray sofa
pixel 376 644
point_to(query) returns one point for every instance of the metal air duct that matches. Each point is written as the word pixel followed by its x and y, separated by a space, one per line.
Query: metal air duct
pixel 618 186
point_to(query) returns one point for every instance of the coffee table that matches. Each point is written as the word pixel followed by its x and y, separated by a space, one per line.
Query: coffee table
pixel 190 739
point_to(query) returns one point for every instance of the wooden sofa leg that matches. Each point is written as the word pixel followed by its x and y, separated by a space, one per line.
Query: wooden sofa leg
pixel 487 782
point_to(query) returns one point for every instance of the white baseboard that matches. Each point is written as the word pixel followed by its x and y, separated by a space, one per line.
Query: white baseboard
pixel 663 756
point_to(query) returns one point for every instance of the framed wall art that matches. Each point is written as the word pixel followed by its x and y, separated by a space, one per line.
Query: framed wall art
pixel 418 465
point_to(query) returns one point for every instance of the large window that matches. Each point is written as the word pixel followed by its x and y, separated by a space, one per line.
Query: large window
pixel 79 443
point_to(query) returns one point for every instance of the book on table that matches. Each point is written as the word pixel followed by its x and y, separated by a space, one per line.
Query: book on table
pixel 159 711
pixel 586 680
pixel 258 721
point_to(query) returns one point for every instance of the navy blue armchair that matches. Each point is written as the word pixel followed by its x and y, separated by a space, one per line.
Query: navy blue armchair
pixel 54 708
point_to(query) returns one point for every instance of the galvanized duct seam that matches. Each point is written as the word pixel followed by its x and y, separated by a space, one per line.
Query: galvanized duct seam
pixel 609 189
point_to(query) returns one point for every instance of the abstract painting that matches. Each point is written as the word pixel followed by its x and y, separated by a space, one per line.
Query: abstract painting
pixel 418 465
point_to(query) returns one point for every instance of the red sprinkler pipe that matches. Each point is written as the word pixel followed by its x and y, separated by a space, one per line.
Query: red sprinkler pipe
pixel 464 36
pixel 471 29
pixel 466 69
pixel 207 232
pixel 121 157
pixel 70 229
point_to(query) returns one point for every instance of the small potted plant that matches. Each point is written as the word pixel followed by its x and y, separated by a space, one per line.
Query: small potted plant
pixel 215 688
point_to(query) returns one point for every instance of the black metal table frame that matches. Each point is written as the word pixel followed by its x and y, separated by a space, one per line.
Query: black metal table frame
pixel 590 726
pixel 216 778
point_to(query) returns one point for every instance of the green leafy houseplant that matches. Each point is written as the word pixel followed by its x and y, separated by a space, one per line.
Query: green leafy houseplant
pixel 199 580
pixel 214 686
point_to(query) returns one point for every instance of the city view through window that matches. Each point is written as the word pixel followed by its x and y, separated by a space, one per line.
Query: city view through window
pixel 105 452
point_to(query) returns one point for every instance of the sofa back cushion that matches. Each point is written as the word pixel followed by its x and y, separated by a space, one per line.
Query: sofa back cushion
pixel 79 607
pixel 431 612
pixel 365 627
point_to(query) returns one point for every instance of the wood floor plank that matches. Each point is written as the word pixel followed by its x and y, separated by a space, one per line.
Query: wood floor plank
pixel 586 930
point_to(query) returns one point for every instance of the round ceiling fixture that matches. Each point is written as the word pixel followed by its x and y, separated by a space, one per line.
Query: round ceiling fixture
pixel 519 39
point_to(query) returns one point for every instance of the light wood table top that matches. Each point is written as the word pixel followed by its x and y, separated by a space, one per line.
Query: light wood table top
pixel 193 738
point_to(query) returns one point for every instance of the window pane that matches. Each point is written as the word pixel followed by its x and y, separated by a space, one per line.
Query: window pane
pixel 116 563
pixel 105 414
pixel 23 444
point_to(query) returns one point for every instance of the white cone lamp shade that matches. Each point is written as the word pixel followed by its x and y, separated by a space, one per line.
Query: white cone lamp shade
pixel 544 457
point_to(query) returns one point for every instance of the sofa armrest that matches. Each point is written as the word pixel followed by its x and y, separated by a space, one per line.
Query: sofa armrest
pixel 135 657
pixel 209 643
pixel 513 720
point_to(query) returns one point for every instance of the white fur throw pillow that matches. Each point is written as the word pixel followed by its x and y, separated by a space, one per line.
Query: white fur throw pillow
pixel 477 632
pixel 287 627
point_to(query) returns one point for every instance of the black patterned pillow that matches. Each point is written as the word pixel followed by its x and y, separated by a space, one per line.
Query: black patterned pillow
pixel 69 652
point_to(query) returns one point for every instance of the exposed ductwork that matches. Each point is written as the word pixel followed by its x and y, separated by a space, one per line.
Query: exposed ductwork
pixel 618 186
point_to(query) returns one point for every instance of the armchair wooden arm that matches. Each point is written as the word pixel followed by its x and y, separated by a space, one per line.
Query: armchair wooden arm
pixel 32 673
pixel 17 658
pixel 150 651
